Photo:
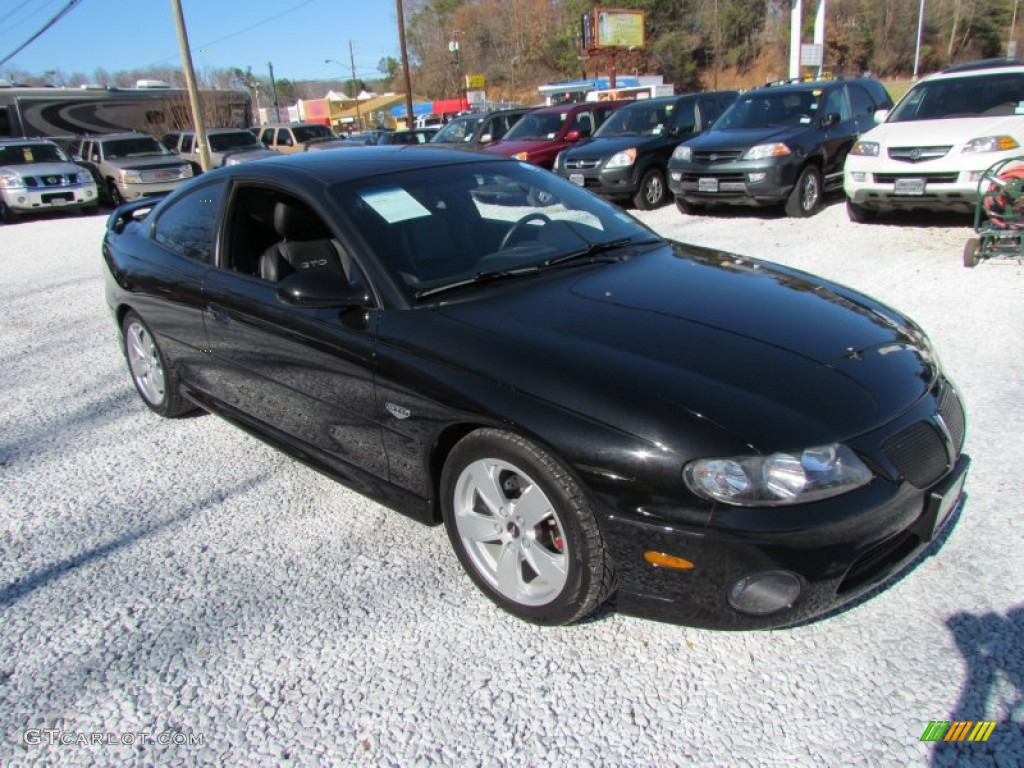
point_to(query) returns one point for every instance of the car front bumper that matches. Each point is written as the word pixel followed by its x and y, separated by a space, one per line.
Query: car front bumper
pixel 138 190
pixel 760 182
pixel 34 199
pixel 616 183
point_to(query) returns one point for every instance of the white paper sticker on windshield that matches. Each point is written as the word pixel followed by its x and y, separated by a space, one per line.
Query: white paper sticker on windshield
pixel 1019 109
pixel 395 205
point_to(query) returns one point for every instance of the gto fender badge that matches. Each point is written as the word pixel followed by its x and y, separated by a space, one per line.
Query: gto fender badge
pixel 398 411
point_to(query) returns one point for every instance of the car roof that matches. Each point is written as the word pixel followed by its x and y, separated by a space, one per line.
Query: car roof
pixel 122 135
pixel 213 130
pixel 25 140
pixel 983 68
pixel 334 167
pixel 803 85
pixel 289 125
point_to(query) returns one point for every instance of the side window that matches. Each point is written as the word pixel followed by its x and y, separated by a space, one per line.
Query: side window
pixel 94 152
pixel 267 137
pixel 685 117
pixel 710 111
pixel 284 137
pixel 170 141
pixel 860 102
pixel 835 102
pixel 188 227
pixel 186 142
pixel 584 123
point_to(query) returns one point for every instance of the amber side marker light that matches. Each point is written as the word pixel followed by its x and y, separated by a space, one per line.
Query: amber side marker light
pixel 668 561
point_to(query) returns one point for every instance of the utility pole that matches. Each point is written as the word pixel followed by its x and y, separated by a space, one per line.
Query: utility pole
pixel 405 65
pixel 190 82
pixel 1011 45
pixel 273 90
pixel 352 61
pixel 917 48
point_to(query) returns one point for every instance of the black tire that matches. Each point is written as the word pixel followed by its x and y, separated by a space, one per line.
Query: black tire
pixel 687 208
pixel 6 215
pixel 114 195
pixel 556 568
pixel 859 213
pixel 804 199
pixel 154 376
pixel 652 192
pixel 972 249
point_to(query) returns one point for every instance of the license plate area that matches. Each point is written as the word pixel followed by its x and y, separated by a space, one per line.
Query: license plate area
pixel 577 179
pixel 909 187
pixel 707 184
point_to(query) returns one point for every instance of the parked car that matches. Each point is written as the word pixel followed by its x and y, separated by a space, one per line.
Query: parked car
pixel 626 160
pixel 36 175
pixel 477 129
pixel 781 144
pixel 288 138
pixel 584 405
pixel 413 136
pixel 931 151
pixel 228 146
pixel 540 135
pixel 127 166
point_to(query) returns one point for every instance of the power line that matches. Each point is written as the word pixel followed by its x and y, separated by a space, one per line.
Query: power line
pixel 17 8
pixel 59 15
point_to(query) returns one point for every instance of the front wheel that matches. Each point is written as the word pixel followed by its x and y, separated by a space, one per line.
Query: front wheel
pixel 6 215
pixel 859 213
pixel 114 195
pixel 972 249
pixel 651 193
pixel 523 530
pixel 155 381
pixel 806 195
pixel 687 208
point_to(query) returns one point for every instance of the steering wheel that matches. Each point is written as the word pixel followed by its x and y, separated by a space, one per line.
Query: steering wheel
pixel 519 225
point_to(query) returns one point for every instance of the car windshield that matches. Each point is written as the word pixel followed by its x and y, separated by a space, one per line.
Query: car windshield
pixel 310 132
pixel 639 119
pixel 460 129
pixel 763 109
pixel 23 154
pixel 978 96
pixel 143 145
pixel 537 126
pixel 437 229
pixel 222 142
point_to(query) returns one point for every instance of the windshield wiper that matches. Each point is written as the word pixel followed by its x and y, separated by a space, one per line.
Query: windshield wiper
pixel 595 248
pixel 480 277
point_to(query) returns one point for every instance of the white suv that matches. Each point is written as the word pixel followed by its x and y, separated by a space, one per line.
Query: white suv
pixel 934 146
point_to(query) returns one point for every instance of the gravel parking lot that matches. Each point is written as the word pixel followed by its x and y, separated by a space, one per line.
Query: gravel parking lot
pixel 192 597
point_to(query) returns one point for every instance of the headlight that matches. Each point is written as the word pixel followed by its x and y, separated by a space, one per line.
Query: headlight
pixel 865 149
pixel 761 151
pixel 682 152
pixel 779 479
pixel 9 180
pixel 130 177
pixel 524 156
pixel 991 144
pixel 84 177
pixel 622 159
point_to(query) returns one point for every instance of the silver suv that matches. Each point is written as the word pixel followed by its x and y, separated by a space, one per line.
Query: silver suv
pixel 128 166
pixel 36 175
pixel 228 146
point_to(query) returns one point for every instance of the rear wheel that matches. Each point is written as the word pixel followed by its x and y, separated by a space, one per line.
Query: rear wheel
pixel 155 381
pixel 806 195
pixel 523 530
pixel 859 213
pixel 651 193
pixel 972 249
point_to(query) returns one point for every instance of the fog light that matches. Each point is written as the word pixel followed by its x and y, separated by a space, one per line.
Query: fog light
pixel 753 178
pixel 22 199
pixel 765 593
pixel 858 176
pixel 676 176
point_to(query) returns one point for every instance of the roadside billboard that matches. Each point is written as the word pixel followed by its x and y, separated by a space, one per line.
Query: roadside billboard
pixel 614 28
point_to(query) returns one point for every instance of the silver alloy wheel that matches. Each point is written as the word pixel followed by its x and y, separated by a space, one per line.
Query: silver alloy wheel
pixel 654 190
pixel 810 192
pixel 511 532
pixel 144 361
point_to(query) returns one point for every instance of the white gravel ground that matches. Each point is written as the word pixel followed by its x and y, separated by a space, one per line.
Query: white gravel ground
pixel 179 577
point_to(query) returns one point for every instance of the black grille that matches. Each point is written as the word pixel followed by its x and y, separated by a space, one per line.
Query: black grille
pixel 931 178
pixel 919 453
pixel 716 156
pixel 952 413
pixel 723 178
pixel 582 165
pixel 918 154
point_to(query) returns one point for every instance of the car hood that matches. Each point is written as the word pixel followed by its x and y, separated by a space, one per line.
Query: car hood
pixel 777 358
pixel 43 169
pixel 953 131
pixel 609 145
pixel 139 163
pixel 245 155
pixel 744 138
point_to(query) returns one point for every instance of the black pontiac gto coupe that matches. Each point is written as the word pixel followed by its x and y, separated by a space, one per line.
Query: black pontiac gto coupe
pixel 587 407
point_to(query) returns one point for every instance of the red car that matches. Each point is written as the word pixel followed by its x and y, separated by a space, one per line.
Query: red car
pixel 540 135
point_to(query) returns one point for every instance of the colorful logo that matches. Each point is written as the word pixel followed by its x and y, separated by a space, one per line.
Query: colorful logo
pixel 958 730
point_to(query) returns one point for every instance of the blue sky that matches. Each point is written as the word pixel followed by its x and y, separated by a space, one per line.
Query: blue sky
pixel 296 35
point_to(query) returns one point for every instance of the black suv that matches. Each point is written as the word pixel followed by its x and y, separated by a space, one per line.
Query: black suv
pixel 626 159
pixel 780 143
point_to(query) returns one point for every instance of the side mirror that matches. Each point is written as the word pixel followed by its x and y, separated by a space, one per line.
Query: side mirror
pixel 573 136
pixel 832 118
pixel 880 115
pixel 317 288
pixel 77 158
pixel 486 138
